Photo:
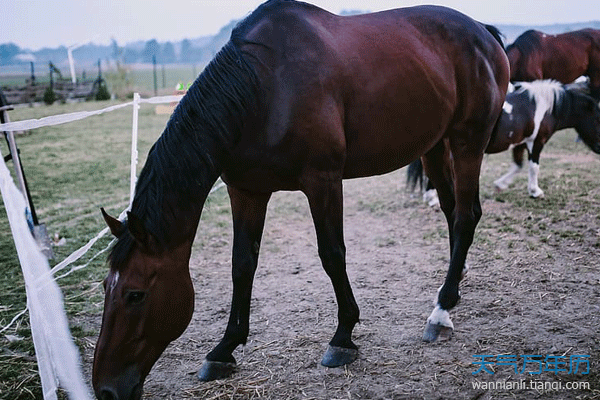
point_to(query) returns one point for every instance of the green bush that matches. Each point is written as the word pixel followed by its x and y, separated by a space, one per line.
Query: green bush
pixel 102 93
pixel 49 96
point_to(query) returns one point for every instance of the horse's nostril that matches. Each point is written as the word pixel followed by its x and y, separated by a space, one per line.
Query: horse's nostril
pixel 108 394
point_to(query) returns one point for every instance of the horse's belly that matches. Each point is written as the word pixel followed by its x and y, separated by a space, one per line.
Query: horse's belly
pixel 367 164
pixel 383 142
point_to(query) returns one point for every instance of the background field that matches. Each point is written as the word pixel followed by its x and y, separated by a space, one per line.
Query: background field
pixel 533 287
pixel 122 80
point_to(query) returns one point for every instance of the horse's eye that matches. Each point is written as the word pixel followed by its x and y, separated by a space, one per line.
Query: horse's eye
pixel 136 297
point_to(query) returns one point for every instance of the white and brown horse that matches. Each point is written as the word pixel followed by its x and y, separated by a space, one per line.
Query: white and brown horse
pixel 532 113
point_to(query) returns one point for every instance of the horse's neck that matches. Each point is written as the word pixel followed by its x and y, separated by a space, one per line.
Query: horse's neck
pixel 564 115
pixel 173 188
pixel 186 213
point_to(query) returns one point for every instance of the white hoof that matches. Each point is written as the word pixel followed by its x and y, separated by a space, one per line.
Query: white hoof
pixel 536 193
pixel 431 198
pixel 440 317
pixel 500 185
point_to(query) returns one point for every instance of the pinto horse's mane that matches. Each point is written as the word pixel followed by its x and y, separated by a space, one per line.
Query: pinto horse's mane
pixel 187 158
pixel 548 91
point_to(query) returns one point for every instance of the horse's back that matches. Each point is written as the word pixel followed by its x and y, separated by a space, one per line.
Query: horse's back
pixel 564 57
pixel 371 92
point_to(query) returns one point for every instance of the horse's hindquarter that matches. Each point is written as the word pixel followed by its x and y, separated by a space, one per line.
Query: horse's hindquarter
pixel 431 74
pixel 368 94
pixel 397 101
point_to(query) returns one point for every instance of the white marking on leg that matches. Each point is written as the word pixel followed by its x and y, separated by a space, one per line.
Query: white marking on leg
pixel 506 180
pixel 440 317
pixel 507 107
pixel 533 188
pixel 437 296
pixel 431 198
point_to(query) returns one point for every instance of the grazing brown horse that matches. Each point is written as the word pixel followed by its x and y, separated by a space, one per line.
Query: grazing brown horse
pixel 530 116
pixel 298 99
pixel 565 57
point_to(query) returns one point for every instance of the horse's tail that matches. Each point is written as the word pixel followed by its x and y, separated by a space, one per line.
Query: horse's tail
pixel 415 175
pixel 496 34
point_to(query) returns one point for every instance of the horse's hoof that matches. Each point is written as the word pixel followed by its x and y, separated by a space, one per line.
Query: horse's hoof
pixel 338 356
pixel 212 370
pixel 434 332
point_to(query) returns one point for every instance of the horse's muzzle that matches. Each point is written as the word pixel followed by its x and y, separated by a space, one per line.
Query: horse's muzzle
pixel 128 386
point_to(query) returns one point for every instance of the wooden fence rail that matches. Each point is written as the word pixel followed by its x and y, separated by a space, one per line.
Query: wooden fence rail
pixel 34 93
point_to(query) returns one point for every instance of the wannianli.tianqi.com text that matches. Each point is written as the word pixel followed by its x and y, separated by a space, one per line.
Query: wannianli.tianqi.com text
pixel 531 384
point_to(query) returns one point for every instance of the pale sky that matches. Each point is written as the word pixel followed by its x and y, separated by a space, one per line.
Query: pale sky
pixel 33 24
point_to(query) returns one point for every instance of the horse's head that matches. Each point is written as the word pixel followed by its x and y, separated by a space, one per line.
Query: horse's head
pixel 149 301
pixel 587 119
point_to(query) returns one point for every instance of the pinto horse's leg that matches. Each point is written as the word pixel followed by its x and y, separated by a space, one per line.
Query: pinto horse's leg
pixel 326 203
pixel 462 211
pixel 534 170
pixel 507 179
pixel 249 212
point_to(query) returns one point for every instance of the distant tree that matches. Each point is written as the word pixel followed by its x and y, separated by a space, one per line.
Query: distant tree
pixel 151 49
pixel 130 56
pixel 186 50
pixel 117 52
pixel 7 52
pixel 168 53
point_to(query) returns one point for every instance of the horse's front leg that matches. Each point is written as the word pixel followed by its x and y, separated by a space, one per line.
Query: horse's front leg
pixel 463 212
pixel 534 170
pixel 325 200
pixel 249 210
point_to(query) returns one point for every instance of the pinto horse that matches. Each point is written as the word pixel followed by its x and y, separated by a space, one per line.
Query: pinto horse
pixel 535 55
pixel 531 114
pixel 298 99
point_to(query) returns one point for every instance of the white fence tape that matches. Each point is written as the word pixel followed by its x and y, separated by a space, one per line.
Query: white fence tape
pixel 57 356
pixel 76 116
pixel 59 363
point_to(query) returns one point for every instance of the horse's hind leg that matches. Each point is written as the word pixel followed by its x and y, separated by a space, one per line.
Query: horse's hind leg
pixel 462 212
pixel 507 179
pixel 249 212
pixel 325 200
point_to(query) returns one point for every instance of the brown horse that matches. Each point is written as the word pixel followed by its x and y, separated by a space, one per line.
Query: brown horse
pixel 298 99
pixel 535 55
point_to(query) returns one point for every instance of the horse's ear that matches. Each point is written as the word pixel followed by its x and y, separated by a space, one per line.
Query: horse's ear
pixel 138 231
pixel 115 226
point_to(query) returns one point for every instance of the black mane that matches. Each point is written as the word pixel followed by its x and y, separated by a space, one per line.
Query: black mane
pixel 188 157
pixel 526 43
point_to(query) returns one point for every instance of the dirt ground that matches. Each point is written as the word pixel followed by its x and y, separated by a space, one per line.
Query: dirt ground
pixel 524 295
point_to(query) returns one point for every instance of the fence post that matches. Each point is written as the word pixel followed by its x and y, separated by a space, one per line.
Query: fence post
pixel 154 69
pixel 134 151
